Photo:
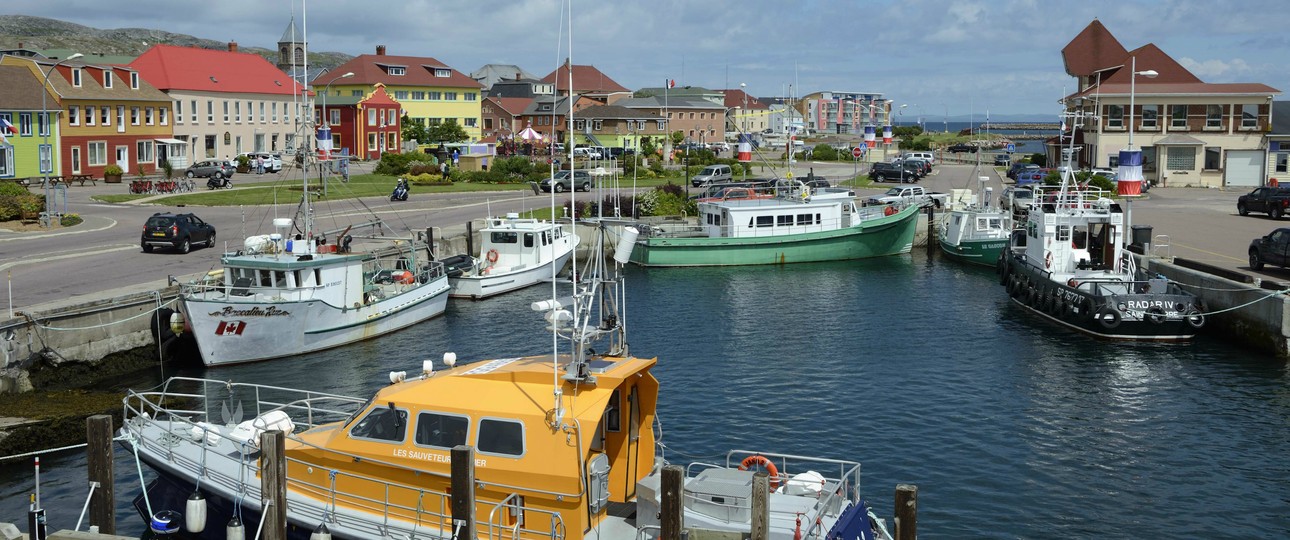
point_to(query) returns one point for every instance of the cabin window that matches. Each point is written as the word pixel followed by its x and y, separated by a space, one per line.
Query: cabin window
pixel 803 219
pixel 266 278
pixel 988 223
pixel 546 238
pixel 765 221
pixel 613 414
pixel 441 430
pixel 383 423
pixel 505 238
pixel 1063 233
pixel 784 221
pixel 279 278
pixel 528 239
pixel 505 437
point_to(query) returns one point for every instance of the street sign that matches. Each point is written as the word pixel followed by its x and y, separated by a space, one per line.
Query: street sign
pixel 857 152
pixel 1012 147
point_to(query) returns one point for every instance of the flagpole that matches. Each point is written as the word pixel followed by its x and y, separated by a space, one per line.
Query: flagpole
pixel 667 123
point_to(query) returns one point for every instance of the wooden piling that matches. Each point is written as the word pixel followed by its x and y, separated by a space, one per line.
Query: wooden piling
pixel 98 457
pixel 760 506
pixel 430 242
pixel 273 483
pixel 931 228
pixel 906 512
pixel 463 492
pixel 470 238
pixel 672 507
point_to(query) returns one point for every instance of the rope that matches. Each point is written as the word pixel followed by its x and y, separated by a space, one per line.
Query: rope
pixel 104 325
pixel 45 451
pixel 1250 303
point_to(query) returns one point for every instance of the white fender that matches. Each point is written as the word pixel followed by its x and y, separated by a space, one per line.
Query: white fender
pixel 195 513
pixel 235 530
pixel 321 533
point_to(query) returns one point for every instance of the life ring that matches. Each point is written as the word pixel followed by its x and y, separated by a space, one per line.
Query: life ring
pixel 1072 283
pixel 888 211
pixel 1048 260
pixel 1155 315
pixel 1108 316
pixel 492 256
pixel 764 462
pixel 1194 318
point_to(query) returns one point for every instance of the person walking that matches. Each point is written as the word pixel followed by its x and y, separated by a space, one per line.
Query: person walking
pixel 259 165
pixel 455 156
pixel 443 169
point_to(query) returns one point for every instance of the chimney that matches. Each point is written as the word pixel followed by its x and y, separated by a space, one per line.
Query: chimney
pixel 232 46
pixel 380 50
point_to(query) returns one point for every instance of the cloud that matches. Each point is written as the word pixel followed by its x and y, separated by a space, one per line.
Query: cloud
pixel 1218 70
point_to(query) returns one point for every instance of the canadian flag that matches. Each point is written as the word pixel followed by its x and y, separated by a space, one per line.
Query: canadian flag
pixel 230 328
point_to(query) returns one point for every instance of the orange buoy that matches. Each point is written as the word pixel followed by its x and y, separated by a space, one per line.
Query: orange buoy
pixel 492 255
pixel 764 462
pixel 889 210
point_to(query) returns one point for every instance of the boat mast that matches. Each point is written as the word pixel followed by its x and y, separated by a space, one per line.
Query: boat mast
pixel 309 107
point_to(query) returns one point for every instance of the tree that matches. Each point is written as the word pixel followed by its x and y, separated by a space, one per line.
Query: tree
pixel 677 137
pixel 446 132
pixel 414 131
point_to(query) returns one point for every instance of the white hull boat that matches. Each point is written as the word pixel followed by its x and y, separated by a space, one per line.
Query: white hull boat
pixel 515 253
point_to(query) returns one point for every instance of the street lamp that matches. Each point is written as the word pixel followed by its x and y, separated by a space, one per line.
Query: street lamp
pixel 744 111
pixel 1133 76
pixel 326 90
pixel 44 111
pixel 1132 171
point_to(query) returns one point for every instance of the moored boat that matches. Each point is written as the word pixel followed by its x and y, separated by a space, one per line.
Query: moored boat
pixel 797 224
pixel 515 253
pixel 976 233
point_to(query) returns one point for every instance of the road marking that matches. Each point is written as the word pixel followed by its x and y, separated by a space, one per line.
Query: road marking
pixel 20 236
pixel 9 265
pixel 1228 257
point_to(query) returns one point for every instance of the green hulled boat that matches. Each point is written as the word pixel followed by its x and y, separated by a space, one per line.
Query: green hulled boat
pixel 793 224
pixel 976 233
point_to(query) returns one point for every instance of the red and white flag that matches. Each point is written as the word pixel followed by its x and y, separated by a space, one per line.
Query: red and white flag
pixel 230 328
pixel 671 83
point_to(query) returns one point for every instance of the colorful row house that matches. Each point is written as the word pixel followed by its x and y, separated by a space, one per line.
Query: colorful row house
pixel 362 126
pixel 24 125
pixel 110 116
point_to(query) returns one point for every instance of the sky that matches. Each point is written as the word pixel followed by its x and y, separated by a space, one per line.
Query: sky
pixel 955 58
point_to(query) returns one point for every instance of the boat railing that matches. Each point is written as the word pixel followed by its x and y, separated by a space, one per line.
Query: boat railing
pixel 512 509
pixel 185 414
pixel 225 292
pixel 835 491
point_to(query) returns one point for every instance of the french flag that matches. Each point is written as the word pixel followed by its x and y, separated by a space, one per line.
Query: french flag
pixel 671 83
pixel 5 127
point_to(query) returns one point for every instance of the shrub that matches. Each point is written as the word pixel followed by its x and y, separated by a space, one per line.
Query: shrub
pixel 70 219
pixel 425 178
pixel 112 169
pixel 12 189
pixel 666 200
pixel 824 152
pixel 1099 181
pixel 423 169
pixel 395 164
pixel 1039 159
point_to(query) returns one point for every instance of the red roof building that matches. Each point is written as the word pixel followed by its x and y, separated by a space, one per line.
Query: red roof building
pixel 588 82
pixel 1190 132
pixel 363 126
pixel 225 102
pixel 503 116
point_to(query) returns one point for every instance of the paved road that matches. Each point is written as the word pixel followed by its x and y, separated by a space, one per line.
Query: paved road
pixel 103 253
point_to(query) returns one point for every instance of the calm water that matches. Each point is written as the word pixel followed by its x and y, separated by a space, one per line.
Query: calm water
pixel 918 368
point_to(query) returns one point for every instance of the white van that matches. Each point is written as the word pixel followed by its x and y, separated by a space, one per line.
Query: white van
pixel 927 156
pixel 587 152
pixel 712 174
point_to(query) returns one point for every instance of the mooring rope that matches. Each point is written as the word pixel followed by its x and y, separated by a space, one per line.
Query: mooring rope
pixel 104 325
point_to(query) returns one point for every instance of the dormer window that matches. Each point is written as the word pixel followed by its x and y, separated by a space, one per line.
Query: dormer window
pixel 76 77
pixel 107 78
pixel 442 73
pixel 397 71
pixel 134 80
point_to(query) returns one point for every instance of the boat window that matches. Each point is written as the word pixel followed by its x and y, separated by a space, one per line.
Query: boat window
pixel 505 437
pixel 784 221
pixel 803 219
pixel 441 430
pixel 528 239
pixel 765 221
pixel 1063 233
pixel 613 416
pixel 317 277
pixel 505 238
pixel 279 278
pixel 546 238
pixel 382 423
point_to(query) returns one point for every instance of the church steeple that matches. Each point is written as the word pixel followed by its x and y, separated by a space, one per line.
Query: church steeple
pixel 291 49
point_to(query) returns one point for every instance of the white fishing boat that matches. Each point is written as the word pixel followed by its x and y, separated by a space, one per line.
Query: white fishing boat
pixel 515 253
pixel 977 232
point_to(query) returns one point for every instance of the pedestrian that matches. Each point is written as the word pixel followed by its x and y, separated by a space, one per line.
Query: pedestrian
pixel 455 157
pixel 443 169
pixel 259 165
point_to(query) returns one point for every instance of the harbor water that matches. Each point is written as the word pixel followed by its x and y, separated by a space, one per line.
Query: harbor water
pixel 913 365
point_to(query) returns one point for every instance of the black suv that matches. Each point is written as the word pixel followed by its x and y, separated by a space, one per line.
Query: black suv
pixel 178 231
pixel 960 148
pixel 900 172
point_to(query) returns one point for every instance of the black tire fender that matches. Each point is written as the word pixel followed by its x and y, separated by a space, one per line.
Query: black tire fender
pixel 1109 317
pixel 1194 318
pixel 1154 315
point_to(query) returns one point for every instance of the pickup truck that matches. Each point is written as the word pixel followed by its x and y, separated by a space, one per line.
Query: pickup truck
pixel 909 195
pixel 1272 249
pixel 1274 201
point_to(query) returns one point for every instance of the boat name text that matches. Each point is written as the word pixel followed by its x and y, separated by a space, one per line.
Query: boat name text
pixel 1144 304
pixel 270 311
pixel 431 456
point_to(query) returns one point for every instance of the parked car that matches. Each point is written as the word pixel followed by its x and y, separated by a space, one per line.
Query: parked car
pixel 960 148
pixel 924 167
pixel 587 152
pixel 929 157
pixel 1002 160
pixel 1016 199
pixel 177 231
pixel 712 174
pixel 719 145
pixel 566 180
pixel 1032 175
pixel 211 168
pixel 1274 201
pixel 899 172
pixel 1018 167
pixel 1273 249
pixel 272 162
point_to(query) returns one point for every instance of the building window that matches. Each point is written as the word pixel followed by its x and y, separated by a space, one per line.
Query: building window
pixel 76 77
pixel 371 116
pixel 434 96
pixel 418 96
pixel 470 122
pixel 144 149
pixel 261 112
pixel 210 111
pixel 1213 116
pixel 1180 158
pixel 471 96
pixel 134 116
pixel 450 96
pixel 1115 116
pixel 148 116
pixel 1249 116
pixel 107 78
pixel 334 115
pixel 24 124
pixel 371 142
pixel 6 161
pixel 335 141
pixel 225 111
pixel 179 113
pixel 398 71
pixel 46 158
pixel 134 80
pixel 442 73
pixel 1282 158
pixel 354 93
pixel 105 116
pixel 98 153
pixel 1150 116
pixel 1178 116
pixel 392 139
pixel 598 125
pixel 274 110
pixel 401 95
pixel 89 115
pixel 210 146
pixel 76 159
pixel 164 115
pixel 1213 158
pixel 120 118
pixel 393 117
pixel 237 112
pixel 73 115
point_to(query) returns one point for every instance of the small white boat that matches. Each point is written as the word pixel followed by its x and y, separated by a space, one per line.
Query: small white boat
pixel 515 253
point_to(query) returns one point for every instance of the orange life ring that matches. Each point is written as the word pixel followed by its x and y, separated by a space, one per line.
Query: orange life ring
pixel 888 211
pixel 1048 260
pixel 764 462
pixel 492 255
